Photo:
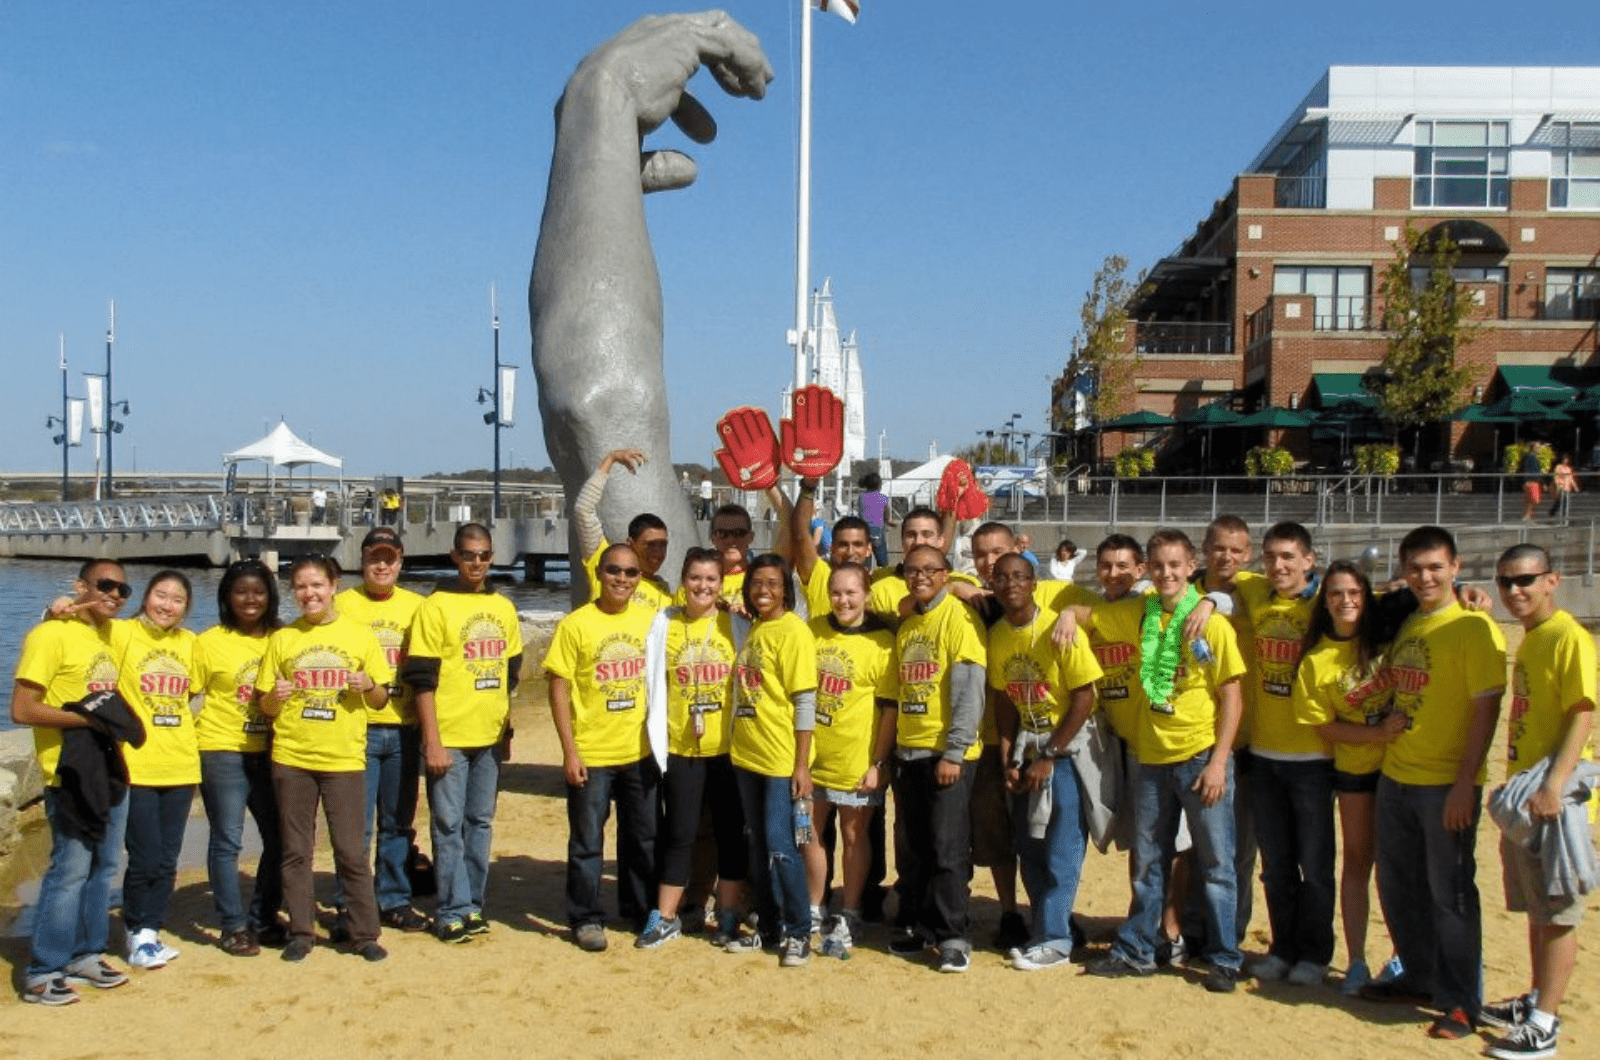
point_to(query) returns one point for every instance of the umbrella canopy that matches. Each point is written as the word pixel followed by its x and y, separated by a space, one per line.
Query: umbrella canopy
pixel 1273 416
pixel 1209 416
pixel 1524 409
pixel 1589 401
pixel 1138 421
pixel 1480 414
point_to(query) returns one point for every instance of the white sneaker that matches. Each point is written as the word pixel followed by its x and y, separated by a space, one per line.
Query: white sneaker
pixel 1270 969
pixel 147 955
pixel 1307 973
pixel 1356 976
pixel 1038 957
pixel 137 939
pixel 168 953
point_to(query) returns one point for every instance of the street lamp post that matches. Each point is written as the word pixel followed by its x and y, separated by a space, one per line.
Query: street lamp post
pixel 498 397
pixel 64 439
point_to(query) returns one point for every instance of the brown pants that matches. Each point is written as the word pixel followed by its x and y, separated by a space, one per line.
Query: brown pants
pixel 343 797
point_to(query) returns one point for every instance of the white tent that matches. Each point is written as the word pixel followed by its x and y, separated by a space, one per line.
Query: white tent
pixel 920 483
pixel 283 448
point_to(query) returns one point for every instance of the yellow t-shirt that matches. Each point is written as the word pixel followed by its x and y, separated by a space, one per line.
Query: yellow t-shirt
pixel 1248 586
pixel 1279 626
pixel 1554 671
pixel 390 620
pixel 323 726
pixel 1062 595
pixel 1186 724
pixel 225 666
pixel 1027 668
pixel 817 603
pixel 69 659
pixel 603 657
pixel 651 592
pixel 699 659
pixel 889 588
pixel 1332 686
pixel 156 677
pixel 778 661
pixel 927 647
pixel 474 636
pixel 1119 693
pixel 1438 663
pixel 855 669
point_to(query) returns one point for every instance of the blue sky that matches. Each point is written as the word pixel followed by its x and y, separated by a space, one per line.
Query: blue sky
pixel 299 207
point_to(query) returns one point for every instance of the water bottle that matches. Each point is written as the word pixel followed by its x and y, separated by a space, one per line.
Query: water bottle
pixel 1202 652
pixel 802 822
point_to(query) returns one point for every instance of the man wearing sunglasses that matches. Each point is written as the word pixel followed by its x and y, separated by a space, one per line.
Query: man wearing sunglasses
pixel 596 669
pixel 64 661
pixel 463 664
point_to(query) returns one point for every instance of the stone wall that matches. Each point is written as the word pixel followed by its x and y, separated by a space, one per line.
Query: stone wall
pixel 20 783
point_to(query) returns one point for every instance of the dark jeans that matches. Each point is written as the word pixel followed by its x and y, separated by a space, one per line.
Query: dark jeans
pixel 156 819
pixel 937 825
pixel 230 783
pixel 880 546
pixel 1294 824
pixel 341 795
pixel 774 859
pixel 1427 884
pixel 691 784
pixel 633 788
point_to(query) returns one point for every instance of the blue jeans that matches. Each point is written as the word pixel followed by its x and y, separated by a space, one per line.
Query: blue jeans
pixel 633 787
pixel 1427 884
pixel 461 801
pixel 72 918
pixel 1052 865
pixel 230 783
pixel 1293 804
pixel 156 820
pixel 769 814
pixel 1160 792
pixel 880 545
pixel 394 761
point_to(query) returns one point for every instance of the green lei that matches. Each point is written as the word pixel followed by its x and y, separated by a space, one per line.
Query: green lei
pixel 1160 650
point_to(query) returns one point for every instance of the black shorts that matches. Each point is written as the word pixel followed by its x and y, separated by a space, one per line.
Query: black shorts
pixel 1357 783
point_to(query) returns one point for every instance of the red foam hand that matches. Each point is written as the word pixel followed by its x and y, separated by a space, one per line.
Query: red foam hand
pixel 960 493
pixel 813 440
pixel 749 456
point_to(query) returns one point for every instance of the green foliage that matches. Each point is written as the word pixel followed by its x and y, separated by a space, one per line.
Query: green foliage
pixel 1426 329
pixel 987 451
pixel 1135 461
pixel 1101 353
pixel 1270 460
pixel 1511 460
pixel 1381 460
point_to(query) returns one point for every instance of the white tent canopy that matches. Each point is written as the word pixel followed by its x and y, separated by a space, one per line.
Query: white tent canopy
pixel 283 448
pixel 918 485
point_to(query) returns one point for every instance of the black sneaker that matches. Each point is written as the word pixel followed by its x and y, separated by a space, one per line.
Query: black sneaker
pixel 296 950
pixel 1116 966
pixel 1220 980
pixel 273 935
pixel 403 918
pixel 450 931
pixel 908 943
pixel 1395 992
pixel 1511 1012
pixel 1013 933
pixel 475 924
pixel 371 952
pixel 953 960
pixel 341 928
pixel 1525 1042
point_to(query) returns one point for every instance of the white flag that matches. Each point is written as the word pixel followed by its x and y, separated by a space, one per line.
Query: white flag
pixel 845 9
pixel 508 396
pixel 95 386
pixel 75 421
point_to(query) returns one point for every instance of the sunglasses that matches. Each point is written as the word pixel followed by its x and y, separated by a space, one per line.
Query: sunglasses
pixel 725 534
pixel 479 555
pixel 1521 581
pixel 111 585
pixel 626 572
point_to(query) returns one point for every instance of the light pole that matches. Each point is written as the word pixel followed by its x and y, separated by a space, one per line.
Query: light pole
pixel 500 398
pixel 64 439
pixel 112 426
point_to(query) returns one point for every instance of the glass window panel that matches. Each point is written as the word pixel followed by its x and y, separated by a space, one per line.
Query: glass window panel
pixel 1583 196
pixel 1500 192
pixel 1287 280
pixel 1424 133
pixel 1498 134
pixel 1459 192
pixel 1582 164
pixel 1460 134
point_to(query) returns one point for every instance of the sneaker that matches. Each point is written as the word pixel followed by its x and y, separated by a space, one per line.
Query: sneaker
pixel 94 971
pixel 341 927
pixel 1392 969
pixel 909 943
pixel 796 953
pixel 1270 969
pixel 52 991
pixel 403 918
pixel 1356 976
pixel 742 944
pixel 273 935
pixel 1013 932
pixel 590 937
pixel 475 923
pixel 727 930
pixel 1525 1041
pixel 1115 966
pixel 168 953
pixel 147 955
pixel 1451 1026
pixel 1172 953
pixel 657 931
pixel 451 930
pixel 240 943
pixel 371 952
pixel 1038 958
pixel 1512 1012
pixel 1221 980
pixel 954 960
pixel 1307 973
pixel 1395 992
pixel 296 950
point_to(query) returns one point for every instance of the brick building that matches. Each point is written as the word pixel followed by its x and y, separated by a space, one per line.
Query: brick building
pixel 1271 302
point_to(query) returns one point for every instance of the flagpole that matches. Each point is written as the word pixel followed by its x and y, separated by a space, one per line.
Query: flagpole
pixel 802 267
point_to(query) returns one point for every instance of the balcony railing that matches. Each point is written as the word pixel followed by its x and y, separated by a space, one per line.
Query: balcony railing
pixel 1203 339
pixel 1300 193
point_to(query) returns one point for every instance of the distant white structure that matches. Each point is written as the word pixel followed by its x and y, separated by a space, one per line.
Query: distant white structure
pixel 836 365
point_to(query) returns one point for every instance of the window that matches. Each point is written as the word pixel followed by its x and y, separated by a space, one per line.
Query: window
pixel 1574 165
pixel 1572 294
pixel 1340 291
pixel 1479 275
pixel 1460 163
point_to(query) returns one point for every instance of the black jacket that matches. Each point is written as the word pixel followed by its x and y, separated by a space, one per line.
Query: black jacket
pixel 93 776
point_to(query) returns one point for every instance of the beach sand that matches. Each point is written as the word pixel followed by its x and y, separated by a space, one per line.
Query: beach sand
pixel 525 989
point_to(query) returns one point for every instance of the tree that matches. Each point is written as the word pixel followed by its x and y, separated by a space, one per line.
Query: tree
pixel 988 451
pixel 1428 324
pixel 1100 360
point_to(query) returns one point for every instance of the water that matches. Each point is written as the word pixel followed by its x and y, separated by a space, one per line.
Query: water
pixel 27 586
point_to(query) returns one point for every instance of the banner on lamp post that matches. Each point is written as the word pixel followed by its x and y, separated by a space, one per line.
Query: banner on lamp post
pixel 75 421
pixel 508 396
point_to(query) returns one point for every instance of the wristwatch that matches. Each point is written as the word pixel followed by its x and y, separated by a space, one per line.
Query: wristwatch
pixel 1052 751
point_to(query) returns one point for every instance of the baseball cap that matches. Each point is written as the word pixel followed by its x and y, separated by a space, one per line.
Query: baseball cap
pixel 382 537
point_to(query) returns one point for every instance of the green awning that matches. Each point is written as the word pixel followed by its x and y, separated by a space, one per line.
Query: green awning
pixel 1534 380
pixel 1329 390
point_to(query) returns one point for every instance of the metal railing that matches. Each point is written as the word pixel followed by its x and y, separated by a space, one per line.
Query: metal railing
pixel 1300 193
pixel 1183 337
pixel 130 516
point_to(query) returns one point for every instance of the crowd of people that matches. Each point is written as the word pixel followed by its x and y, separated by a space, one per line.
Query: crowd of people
pixel 749 724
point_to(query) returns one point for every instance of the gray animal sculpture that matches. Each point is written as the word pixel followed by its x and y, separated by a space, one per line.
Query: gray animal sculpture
pixel 594 300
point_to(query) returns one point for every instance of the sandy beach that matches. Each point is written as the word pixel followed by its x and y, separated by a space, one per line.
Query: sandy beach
pixel 524 988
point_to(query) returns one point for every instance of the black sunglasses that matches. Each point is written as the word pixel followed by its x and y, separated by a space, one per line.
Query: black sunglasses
pixel 1521 581
pixel 111 585
pixel 626 572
